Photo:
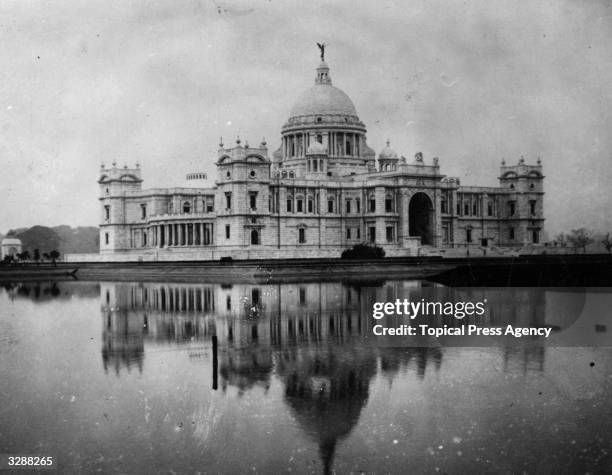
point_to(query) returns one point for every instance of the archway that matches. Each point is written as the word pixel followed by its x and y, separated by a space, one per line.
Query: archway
pixel 254 236
pixel 420 218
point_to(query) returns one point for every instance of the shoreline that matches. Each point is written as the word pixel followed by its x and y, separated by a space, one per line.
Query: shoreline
pixel 527 270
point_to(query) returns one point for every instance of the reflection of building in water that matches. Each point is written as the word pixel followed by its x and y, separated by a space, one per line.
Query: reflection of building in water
pixel 314 337
pixel 326 389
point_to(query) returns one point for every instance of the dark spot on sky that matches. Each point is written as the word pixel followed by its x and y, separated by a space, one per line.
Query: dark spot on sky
pixel 37 57
pixel 539 393
pixel 592 364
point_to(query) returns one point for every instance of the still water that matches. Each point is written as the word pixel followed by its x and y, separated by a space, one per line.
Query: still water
pixel 122 378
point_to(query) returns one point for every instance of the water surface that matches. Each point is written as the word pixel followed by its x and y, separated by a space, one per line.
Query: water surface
pixel 121 378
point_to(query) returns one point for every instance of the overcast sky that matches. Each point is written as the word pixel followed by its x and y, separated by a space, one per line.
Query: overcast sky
pixel 159 81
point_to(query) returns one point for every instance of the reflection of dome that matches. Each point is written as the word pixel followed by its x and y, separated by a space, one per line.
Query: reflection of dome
pixel 316 148
pixel 388 152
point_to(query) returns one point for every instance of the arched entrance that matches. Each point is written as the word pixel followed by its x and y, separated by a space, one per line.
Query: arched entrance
pixel 420 218
pixel 254 236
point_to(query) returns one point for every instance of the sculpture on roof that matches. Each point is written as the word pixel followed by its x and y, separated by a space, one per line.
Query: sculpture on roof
pixel 322 48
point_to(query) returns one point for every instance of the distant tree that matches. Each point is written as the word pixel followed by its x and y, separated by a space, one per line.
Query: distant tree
pixel 25 255
pixel 607 242
pixel 46 256
pixel 54 255
pixel 561 239
pixel 580 238
pixel 37 255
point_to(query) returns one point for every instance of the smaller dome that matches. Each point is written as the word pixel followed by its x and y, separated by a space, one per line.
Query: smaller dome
pixel 316 148
pixel 388 152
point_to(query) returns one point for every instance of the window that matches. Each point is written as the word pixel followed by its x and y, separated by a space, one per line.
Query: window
pixel 310 205
pixel 511 186
pixel 289 205
pixel 106 239
pixel 330 206
pixel 143 211
pixel 254 236
pixel 357 205
pixel 252 174
pixel 228 302
pixel 532 207
pixel 301 235
pixel 511 207
pixel 228 175
pixel 444 205
pixel 348 233
pixel 107 212
pixel 253 200
pixel 475 209
pixel 372 233
pixel 144 238
pixel 535 237
pixel 358 233
pixel 348 206
pixel 511 234
pixel 389 203
pixel 372 205
pixel 210 204
pixel 300 205
pixel 466 209
pixel 468 235
pixel 459 209
pixel 490 209
pixel 315 165
pixel 228 200
pixel 227 231
pixel 186 207
pixel 390 234
pixel 302 296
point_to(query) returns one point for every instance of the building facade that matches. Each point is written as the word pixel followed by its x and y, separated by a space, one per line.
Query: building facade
pixel 321 192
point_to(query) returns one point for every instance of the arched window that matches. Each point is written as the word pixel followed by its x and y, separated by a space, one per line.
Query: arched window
pixel 254 236
pixel 186 207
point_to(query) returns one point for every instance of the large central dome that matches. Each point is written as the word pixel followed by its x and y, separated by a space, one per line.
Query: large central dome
pixel 323 98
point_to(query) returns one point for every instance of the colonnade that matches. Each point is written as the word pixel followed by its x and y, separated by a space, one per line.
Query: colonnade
pixel 339 144
pixel 182 234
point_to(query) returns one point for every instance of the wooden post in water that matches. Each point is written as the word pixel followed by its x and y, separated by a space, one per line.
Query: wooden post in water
pixel 215 364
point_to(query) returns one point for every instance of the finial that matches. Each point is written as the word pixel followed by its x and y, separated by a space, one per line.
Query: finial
pixel 522 160
pixel 102 165
pixel 435 161
pixel 246 144
pixel 220 142
pixel 263 142
pixel 388 142
pixel 418 157
pixel 137 164
pixel 114 163
pixel 503 162
pixel 539 160
pixel 125 165
pixel 238 139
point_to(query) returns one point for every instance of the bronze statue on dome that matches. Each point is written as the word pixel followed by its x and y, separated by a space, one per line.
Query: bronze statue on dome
pixel 322 48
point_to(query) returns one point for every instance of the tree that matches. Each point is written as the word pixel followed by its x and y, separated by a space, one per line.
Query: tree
pixel 607 242
pixel 37 255
pixel 561 238
pixel 54 255
pixel 580 238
